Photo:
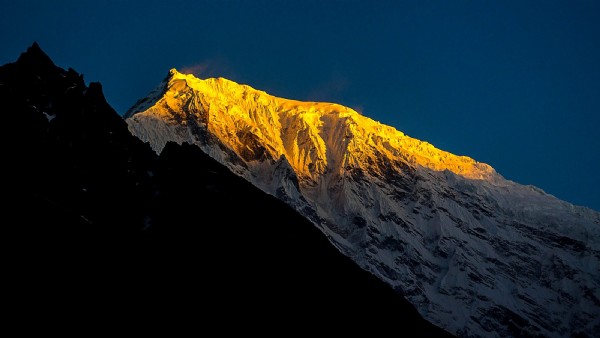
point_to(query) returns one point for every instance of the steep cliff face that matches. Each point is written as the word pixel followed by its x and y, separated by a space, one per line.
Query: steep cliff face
pixel 476 254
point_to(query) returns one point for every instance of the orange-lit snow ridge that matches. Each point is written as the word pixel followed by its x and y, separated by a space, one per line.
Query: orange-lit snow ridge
pixel 314 137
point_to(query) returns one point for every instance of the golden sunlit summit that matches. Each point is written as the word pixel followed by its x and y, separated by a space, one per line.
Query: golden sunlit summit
pixel 314 137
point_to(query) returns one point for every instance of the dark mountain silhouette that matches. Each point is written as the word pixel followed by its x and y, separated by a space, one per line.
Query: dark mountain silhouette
pixel 102 233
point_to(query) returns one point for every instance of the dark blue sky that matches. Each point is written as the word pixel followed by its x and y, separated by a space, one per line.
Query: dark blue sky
pixel 515 84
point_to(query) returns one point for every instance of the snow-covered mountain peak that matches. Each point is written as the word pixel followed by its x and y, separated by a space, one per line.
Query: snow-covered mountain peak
pixel 314 137
pixel 476 254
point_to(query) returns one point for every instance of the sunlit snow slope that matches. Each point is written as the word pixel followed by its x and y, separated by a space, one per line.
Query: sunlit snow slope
pixel 476 254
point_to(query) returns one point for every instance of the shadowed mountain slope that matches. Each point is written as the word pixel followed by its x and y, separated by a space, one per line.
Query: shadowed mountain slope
pixel 103 233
